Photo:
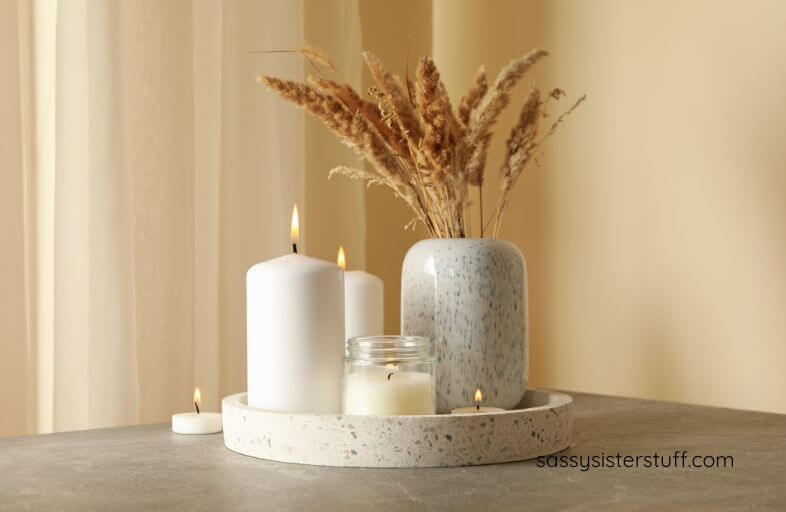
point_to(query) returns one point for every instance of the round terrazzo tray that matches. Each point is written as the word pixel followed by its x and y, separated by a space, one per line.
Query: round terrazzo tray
pixel 542 424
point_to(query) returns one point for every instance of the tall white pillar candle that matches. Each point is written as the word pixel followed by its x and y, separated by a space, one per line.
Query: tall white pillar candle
pixel 363 301
pixel 295 320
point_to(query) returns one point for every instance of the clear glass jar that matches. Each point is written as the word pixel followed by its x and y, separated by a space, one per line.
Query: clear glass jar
pixel 389 376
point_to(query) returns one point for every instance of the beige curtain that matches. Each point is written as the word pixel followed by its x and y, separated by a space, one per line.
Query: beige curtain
pixel 145 171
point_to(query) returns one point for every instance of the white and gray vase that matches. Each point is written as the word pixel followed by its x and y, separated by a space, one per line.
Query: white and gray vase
pixel 470 296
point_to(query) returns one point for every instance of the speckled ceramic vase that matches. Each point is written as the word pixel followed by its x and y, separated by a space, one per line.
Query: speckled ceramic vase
pixel 470 296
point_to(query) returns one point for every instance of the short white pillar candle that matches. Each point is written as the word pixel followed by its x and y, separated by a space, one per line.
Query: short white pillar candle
pixel 363 301
pixel 197 422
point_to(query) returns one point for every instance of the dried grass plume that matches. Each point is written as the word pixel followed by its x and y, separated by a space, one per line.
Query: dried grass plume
pixel 428 153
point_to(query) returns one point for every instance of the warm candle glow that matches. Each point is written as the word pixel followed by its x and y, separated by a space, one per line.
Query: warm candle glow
pixel 197 399
pixel 342 260
pixel 478 397
pixel 294 233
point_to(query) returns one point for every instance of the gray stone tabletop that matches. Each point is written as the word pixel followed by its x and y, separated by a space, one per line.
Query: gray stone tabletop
pixel 148 467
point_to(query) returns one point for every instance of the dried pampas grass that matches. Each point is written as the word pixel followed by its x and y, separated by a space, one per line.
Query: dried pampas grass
pixel 428 153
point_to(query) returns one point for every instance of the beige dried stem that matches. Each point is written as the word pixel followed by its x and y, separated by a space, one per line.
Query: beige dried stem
pixel 317 55
pixel 487 112
pixel 472 99
pixel 521 144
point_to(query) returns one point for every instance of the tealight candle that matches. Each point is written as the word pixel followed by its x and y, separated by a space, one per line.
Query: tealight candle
pixel 363 301
pixel 478 409
pixel 196 422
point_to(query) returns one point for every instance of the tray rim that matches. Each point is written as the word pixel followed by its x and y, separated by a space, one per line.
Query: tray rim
pixel 413 441
pixel 240 400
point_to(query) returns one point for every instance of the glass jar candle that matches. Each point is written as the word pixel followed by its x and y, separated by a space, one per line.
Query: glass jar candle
pixel 389 376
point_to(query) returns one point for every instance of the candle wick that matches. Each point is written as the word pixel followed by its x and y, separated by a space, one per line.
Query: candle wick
pixel 477 407
pixel 294 248
pixel 390 375
pixel 197 407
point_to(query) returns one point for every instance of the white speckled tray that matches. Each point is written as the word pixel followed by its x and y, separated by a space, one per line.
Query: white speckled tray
pixel 541 425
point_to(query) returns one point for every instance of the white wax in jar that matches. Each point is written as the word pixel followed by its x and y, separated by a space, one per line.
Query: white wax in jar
pixel 370 392
pixel 363 304
pixel 295 316
pixel 193 423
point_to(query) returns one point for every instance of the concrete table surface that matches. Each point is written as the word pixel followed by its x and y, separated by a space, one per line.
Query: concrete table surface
pixel 148 467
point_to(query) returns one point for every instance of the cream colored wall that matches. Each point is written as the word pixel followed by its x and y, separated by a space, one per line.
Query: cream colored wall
pixel 388 29
pixel 332 210
pixel 655 228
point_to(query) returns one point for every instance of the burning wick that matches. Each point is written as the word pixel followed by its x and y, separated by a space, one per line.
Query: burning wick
pixel 294 232
pixel 478 399
pixel 197 399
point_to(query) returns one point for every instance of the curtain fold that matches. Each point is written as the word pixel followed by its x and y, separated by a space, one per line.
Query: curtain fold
pixel 17 378
pixel 157 172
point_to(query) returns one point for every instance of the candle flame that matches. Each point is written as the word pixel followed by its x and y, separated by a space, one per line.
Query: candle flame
pixel 478 397
pixel 197 396
pixel 294 233
pixel 342 259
